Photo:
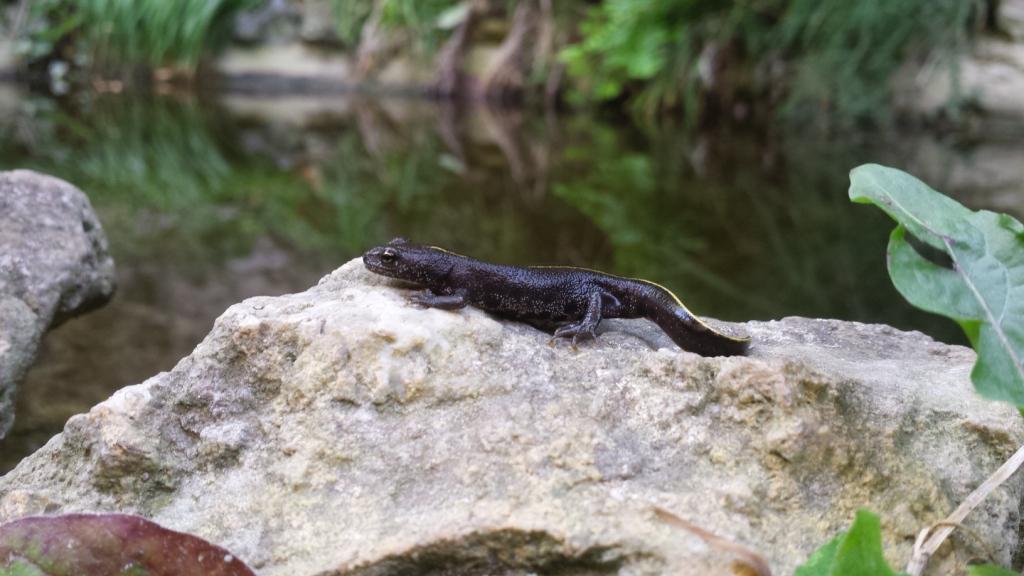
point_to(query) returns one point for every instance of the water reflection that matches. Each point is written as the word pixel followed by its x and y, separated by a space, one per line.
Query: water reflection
pixel 207 202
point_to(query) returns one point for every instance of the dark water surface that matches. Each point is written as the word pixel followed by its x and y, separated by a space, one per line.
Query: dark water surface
pixel 207 202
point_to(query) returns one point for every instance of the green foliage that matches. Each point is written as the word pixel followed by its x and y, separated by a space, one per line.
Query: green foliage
pixel 425 20
pixel 823 560
pixel 416 14
pixel 983 289
pixel 626 42
pixel 420 17
pixel 857 552
pixel 121 33
pixel 349 17
pixel 51 22
pixel 847 52
pixel 990 570
pixel 841 55
pixel 115 34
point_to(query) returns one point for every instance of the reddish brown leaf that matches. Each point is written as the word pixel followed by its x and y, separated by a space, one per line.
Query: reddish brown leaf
pixel 109 544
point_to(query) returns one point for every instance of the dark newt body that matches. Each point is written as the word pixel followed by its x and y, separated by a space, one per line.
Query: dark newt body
pixel 576 298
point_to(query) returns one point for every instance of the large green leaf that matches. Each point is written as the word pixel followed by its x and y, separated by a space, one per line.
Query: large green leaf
pixel 857 552
pixel 108 545
pixel 983 290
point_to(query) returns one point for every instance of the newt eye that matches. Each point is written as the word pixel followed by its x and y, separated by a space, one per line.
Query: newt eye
pixel 388 256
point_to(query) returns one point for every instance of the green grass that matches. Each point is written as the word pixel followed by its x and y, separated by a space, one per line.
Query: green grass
pixel 847 52
pixel 115 35
pixel 125 33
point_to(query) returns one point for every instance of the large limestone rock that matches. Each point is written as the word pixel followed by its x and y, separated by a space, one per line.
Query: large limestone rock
pixel 54 264
pixel 344 431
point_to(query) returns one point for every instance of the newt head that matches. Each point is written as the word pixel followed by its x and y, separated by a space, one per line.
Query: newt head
pixel 404 260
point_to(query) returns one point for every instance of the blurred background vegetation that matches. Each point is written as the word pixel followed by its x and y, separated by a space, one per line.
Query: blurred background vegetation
pixel 827 59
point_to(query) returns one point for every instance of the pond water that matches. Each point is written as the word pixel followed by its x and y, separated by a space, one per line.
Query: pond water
pixel 209 200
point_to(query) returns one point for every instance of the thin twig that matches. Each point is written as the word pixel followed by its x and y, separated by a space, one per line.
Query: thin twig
pixel 747 556
pixel 926 545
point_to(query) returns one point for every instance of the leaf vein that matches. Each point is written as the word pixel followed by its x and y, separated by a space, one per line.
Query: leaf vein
pixel 996 326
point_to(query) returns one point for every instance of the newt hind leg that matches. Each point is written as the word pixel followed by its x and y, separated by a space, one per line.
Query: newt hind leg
pixel 587 326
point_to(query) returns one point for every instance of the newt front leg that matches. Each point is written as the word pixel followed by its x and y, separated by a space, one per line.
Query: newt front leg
pixel 428 299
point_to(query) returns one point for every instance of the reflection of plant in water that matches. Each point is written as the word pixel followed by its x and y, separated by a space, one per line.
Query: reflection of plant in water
pixel 407 188
pixel 167 178
pixel 358 202
pixel 733 241
pixel 622 192
pixel 155 171
pixel 419 16
pixel 159 151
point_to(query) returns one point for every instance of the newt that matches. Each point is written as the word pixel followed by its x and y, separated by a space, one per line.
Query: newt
pixel 573 299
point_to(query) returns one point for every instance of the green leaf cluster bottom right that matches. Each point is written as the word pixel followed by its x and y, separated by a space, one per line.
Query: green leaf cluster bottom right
pixel 856 552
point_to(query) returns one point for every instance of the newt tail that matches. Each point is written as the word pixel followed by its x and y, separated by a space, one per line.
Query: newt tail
pixel 691 333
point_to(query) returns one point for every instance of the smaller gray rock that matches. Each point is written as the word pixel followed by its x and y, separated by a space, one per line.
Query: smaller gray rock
pixel 54 264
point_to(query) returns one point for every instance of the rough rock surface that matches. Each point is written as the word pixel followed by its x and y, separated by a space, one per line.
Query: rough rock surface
pixel 54 264
pixel 344 431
